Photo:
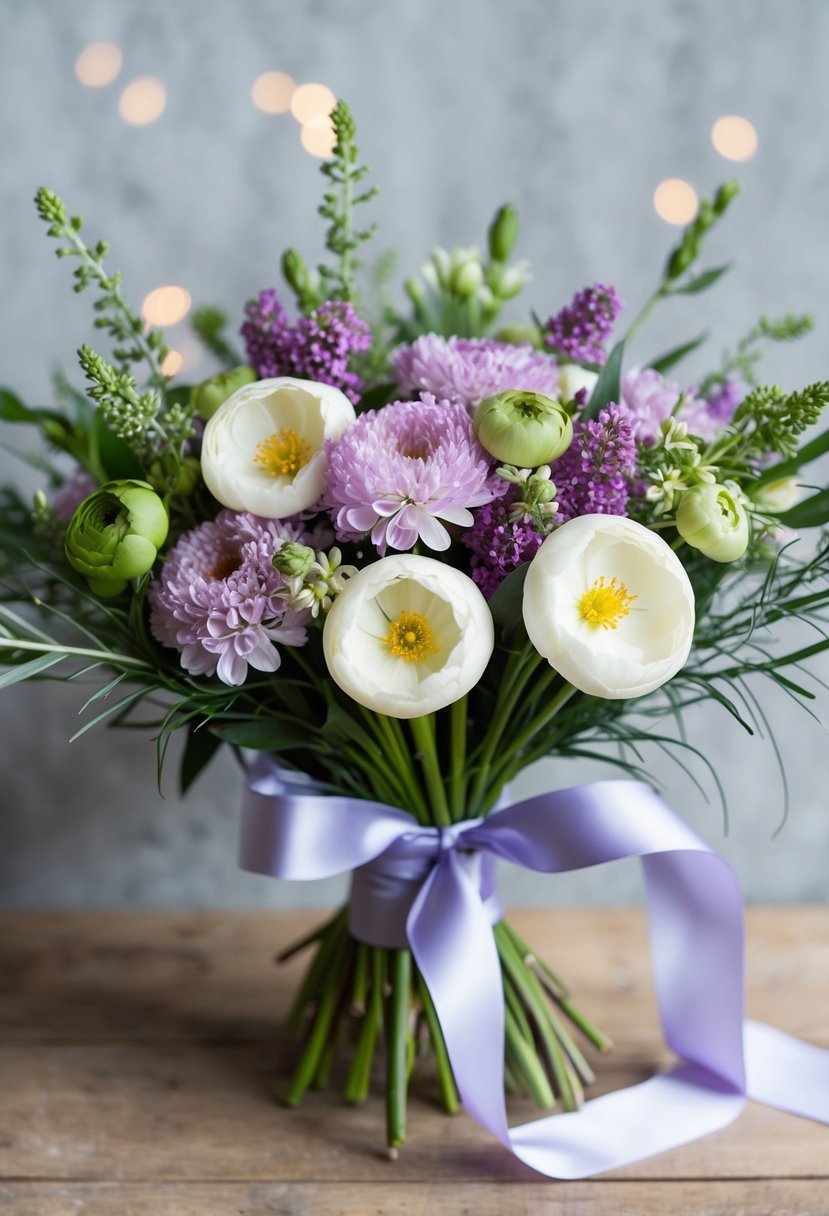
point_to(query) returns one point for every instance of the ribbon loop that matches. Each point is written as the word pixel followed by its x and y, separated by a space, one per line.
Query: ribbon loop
pixel 434 890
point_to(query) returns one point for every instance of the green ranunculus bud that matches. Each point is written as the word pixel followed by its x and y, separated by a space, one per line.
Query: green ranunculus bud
pixel 711 519
pixel 523 428
pixel 115 535
pixel 503 233
pixel 778 496
pixel 293 559
pixel 210 394
pixel 518 335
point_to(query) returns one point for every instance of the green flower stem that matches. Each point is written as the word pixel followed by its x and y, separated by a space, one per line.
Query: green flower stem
pixel 524 1060
pixel 394 739
pixel 532 995
pixel 457 780
pixel 423 734
pixel 324 1023
pixel 639 320
pixel 591 1032
pixel 517 673
pixel 331 944
pixel 446 1081
pixel 514 762
pixel 383 781
pixel 585 1072
pixel 359 1074
pixel 552 982
pixel 358 995
pixel 322 1076
pixel 397 1034
pixel 513 1001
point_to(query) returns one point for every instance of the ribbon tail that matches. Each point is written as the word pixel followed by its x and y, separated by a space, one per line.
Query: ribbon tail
pixel 451 939
pixel 786 1073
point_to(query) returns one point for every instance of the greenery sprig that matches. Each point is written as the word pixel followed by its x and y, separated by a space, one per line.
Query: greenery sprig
pixel 772 420
pixel 749 350
pixel 136 341
pixel 345 173
pixel 209 325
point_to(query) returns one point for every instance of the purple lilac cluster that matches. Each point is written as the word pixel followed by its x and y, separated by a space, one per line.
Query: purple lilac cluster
pixel 403 472
pixel 216 599
pixel 470 369
pixel 498 544
pixel 593 476
pixel 318 347
pixel 580 329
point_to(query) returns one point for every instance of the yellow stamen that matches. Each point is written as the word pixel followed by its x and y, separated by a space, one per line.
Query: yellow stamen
pixel 410 638
pixel 283 453
pixel 605 604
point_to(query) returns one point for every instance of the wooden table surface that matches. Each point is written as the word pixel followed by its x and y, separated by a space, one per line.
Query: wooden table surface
pixel 141 1062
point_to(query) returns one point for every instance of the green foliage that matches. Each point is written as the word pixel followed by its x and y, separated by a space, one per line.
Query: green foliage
pixel 771 420
pixel 136 341
pixel 749 351
pixel 344 173
pixel 209 325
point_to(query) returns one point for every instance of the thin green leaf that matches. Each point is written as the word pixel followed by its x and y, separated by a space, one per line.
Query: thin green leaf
pixel 677 353
pixel 701 281
pixel 608 386
pixel 26 671
pixel 200 748
pixel 811 513
pixel 266 734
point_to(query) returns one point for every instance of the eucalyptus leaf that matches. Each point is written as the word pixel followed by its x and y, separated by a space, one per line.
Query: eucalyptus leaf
pixel 608 387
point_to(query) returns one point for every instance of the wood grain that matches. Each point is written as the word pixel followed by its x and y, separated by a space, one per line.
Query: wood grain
pixel 141 1062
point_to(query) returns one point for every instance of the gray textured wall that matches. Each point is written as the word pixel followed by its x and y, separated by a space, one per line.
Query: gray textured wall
pixel 574 111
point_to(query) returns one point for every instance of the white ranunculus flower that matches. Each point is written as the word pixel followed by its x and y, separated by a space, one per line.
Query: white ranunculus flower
pixel 264 449
pixel 608 603
pixel 572 378
pixel 408 635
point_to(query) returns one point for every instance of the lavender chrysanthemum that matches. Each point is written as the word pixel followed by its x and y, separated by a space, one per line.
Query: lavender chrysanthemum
pixel 318 347
pixel 721 404
pixel 470 369
pixel 580 329
pixel 216 597
pixel 651 399
pixel 404 471
pixel 593 476
pixel 72 493
pixel 499 544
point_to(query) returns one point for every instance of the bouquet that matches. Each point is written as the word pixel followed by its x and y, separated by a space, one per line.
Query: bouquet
pixel 393 556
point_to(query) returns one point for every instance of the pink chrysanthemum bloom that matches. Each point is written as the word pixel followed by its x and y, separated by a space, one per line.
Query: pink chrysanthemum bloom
pixel 404 471
pixel 471 369
pixel 216 598
pixel 650 399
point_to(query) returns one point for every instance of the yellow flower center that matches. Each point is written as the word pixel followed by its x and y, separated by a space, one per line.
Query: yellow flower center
pixel 410 638
pixel 283 453
pixel 605 604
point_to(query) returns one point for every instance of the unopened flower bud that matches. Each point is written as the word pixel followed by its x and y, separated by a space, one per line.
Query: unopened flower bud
pixel 293 559
pixel 115 535
pixel 210 394
pixel 503 233
pixel 295 272
pixel 521 335
pixel 466 276
pixel 778 496
pixel 727 191
pixel 710 519
pixel 572 379
pixel 523 428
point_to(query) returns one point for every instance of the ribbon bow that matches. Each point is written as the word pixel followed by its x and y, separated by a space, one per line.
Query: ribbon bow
pixel 433 890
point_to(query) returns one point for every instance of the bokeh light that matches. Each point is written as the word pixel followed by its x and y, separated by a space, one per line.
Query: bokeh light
pixel 312 101
pixel 98 64
pixel 142 101
pixel 272 92
pixel 734 137
pixel 318 137
pixel 172 363
pixel 166 305
pixel 675 201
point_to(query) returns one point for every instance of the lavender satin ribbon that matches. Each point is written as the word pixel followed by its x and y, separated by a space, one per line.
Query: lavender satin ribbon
pixel 435 881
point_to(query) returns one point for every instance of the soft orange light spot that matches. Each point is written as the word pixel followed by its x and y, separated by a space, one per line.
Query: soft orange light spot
pixel 312 101
pixel 318 137
pixel 734 138
pixel 272 92
pixel 675 201
pixel 98 64
pixel 166 305
pixel 142 101
pixel 173 363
